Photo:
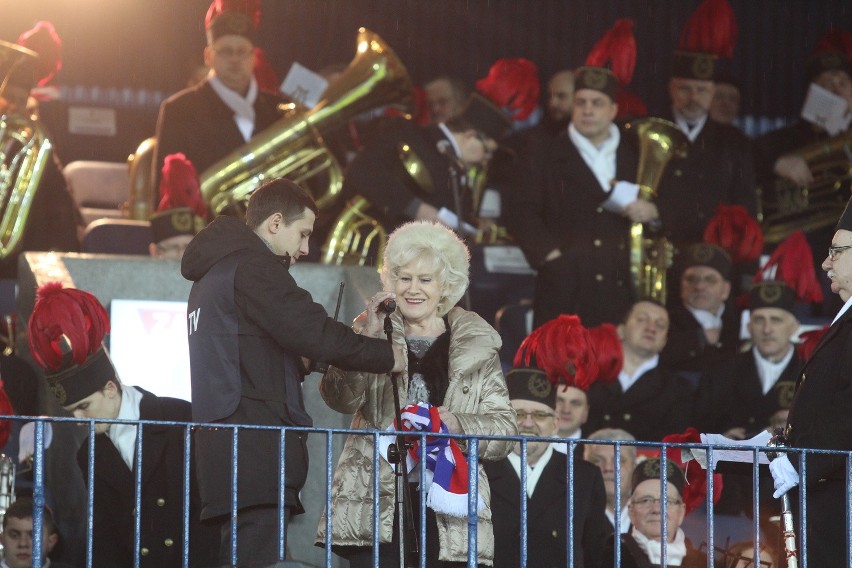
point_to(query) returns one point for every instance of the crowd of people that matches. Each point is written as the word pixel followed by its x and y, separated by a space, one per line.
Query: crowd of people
pixel 714 346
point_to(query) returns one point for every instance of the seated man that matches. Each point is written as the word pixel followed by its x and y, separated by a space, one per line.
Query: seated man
pixel 704 326
pixel 181 212
pixel 572 410
pixel 533 397
pixel 603 456
pixel 642 546
pixel 17 536
pixel 647 399
pixel 445 97
pixel 740 397
pixel 81 377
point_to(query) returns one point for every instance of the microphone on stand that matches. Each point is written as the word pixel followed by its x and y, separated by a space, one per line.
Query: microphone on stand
pixel 388 306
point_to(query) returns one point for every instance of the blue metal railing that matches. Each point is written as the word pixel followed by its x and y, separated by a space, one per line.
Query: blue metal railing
pixel 619 446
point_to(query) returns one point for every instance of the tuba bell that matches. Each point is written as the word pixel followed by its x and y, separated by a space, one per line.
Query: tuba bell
pixel 650 257
pixel 786 207
pixel 25 147
pixel 293 147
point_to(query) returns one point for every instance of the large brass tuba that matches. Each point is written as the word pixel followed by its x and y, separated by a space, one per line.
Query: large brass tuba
pixel 24 146
pixel 786 207
pixel 293 146
pixel 650 257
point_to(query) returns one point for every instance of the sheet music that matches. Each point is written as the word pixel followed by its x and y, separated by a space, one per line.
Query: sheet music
pixel 826 110
pixel 746 455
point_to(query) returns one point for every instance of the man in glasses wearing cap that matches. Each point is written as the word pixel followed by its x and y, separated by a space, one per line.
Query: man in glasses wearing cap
pixel 534 399
pixel 820 418
pixel 224 111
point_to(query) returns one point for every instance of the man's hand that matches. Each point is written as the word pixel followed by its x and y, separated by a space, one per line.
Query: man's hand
pixel 795 169
pixel 641 211
pixel 553 255
pixel 784 474
pixel 400 358
pixel 448 418
pixel 737 433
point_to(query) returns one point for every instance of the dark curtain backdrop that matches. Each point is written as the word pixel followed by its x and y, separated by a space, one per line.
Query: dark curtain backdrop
pixel 139 51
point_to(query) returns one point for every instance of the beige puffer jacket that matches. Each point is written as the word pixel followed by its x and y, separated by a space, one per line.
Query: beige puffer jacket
pixel 476 394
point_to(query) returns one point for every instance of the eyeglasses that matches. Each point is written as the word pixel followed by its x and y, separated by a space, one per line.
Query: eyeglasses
pixel 708 279
pixel 648 502
pixel 227 52
pixel 538 416
pixel 835 252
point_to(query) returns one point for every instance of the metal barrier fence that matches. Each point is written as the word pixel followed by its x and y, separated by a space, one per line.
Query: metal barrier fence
pixel 42 424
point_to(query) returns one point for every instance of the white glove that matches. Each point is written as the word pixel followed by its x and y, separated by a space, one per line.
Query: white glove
pixel 451 220
pixel 785 475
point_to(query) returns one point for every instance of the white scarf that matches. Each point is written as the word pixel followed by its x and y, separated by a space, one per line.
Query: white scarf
pixel 697 126
pixel 123 436
pixel 769 371
pixel 243 107
pixel 675 550
pixel 534 472
pixel 708 320
pixel 600 159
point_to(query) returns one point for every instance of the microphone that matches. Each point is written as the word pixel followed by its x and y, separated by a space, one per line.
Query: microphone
pixel 388 306
pixel 445 147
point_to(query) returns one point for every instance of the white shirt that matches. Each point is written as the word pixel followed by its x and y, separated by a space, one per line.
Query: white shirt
pixel 769 371
pixel 842 310
pixel 123 436
pixel 562 447
pixel 697 126
pixel 626 381
pixel 624 520
pixel 600 159
pixel 708 320
pixel 534 472
pixel 243 107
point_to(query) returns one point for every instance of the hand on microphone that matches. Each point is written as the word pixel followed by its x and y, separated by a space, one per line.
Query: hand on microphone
pixel 784 474
pixel 377 307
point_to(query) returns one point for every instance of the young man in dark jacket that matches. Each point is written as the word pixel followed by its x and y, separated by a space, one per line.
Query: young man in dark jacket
pixel 250 325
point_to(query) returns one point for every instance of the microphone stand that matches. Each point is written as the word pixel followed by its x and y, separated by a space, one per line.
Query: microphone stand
pixel 397 455
pixel 790 554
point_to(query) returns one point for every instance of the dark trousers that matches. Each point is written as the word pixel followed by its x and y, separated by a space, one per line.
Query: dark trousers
pixel 257 537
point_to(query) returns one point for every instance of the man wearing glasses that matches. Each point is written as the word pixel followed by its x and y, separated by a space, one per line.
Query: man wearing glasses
pixel 642 545
pixel 820 418
pixel 534 399
pixel 225 110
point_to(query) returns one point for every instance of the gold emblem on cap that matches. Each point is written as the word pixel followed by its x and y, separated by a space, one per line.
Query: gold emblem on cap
pixel 786 391
pixel 539 386
pixel 702 253
pixel 182 222
pixel 651 468
pixel 702 66
pixel 769 293
pixel 594 78
pixel 58 391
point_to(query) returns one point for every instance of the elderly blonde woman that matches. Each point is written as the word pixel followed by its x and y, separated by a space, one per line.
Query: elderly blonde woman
pixel 452 365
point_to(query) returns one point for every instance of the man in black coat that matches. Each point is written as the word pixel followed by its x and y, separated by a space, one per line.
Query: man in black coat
pixel 226 109
pixel 534 398
pixel 647 400
pixel 819 418
pixel 250 325
pixel 578 245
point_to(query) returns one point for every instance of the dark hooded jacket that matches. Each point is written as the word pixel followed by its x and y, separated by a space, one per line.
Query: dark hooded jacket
pixel 249 324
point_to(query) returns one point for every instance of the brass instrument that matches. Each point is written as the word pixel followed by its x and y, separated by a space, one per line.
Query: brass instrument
pixel 25 149
pixel 293 146
pixel 354 233
pixel 788 533
pixel 140 203
pixel 659 142
pixel 785 207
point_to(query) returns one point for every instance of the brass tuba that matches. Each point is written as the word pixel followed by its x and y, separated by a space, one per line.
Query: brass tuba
pixel 140 167
pixel 293 146
pixel 785 207
pixel 25 148
pixel 650 257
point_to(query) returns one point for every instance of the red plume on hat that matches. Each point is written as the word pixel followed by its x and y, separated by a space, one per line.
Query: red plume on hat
pixel 610 354
pixel 712 29
pixel 835 40
pixel 65 315
pixel 793 264
pixel 695 488
pixel 563 349
pixel 808 340
pixel 5 410
pixel 736 231
pixel 44 40
pixel 179 186
pixel 617 51
pixel 250 8
pixel 512 83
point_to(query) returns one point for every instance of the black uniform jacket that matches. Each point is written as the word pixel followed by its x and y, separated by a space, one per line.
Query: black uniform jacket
pixel 197 123
pixel 559 208
pixel 162 495
pixel 687 351
pixel 252 324
pixel 657 404
pixel 821 418
pixel 547 514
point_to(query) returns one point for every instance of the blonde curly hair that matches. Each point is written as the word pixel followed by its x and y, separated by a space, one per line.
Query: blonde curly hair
pixel 437 249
